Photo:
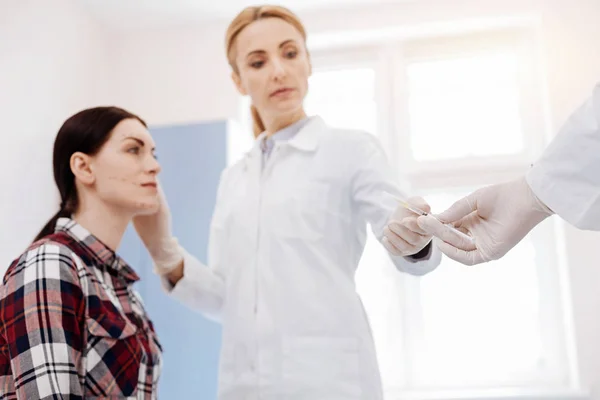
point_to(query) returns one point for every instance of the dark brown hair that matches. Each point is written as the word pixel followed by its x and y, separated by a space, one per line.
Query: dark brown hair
pixel 85 132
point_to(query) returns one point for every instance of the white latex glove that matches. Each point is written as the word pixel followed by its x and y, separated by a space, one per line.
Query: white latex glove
pixel 497 217
pixel 402 236
pixel 155 231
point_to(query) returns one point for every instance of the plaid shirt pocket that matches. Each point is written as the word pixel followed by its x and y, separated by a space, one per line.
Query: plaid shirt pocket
pixel 113 357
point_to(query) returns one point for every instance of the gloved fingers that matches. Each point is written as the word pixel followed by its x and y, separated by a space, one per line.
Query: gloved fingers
pixel 390 247
pixel 399 242
pixel 161 195
pixel 434 227
pixel 460 209
pixel 400 234
pixel 472 257
pixel 419 202
pixel 412 224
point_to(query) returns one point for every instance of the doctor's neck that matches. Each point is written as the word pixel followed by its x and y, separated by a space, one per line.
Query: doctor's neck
pixel 275 123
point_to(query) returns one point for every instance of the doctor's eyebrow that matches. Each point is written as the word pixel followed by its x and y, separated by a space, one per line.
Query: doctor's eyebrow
pixel 281 45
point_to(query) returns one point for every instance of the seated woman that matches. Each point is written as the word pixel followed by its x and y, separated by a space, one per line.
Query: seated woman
pixel 71 324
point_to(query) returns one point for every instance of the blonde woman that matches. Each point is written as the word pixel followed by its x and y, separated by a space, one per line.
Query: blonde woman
pixel 288 232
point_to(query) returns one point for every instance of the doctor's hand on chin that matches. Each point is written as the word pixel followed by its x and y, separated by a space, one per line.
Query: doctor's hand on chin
pixel 156 233
pixel 402 236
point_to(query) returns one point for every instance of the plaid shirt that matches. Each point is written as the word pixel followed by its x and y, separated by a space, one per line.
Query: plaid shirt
pixel 71 325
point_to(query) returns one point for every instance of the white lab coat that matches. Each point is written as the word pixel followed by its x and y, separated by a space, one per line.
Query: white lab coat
pixel 284 246
pixel 567 176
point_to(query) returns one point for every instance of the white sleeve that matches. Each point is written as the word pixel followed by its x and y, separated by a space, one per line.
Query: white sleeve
pixel 567 176
pixel 202 287
pixel 373 177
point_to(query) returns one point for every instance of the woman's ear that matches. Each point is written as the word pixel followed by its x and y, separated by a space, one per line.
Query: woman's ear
pixel 81 168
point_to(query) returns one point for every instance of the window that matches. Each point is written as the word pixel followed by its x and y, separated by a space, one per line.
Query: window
pixel 475 102
pixel 454 114
pixel 344 98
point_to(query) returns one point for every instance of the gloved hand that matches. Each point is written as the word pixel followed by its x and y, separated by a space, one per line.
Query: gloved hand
pixel 497 217
pixel 155 231
pixel 402 236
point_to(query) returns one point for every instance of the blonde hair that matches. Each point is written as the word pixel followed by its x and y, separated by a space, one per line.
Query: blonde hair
pixel 247 16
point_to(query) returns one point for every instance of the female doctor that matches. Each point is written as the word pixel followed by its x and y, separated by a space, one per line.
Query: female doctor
pixel 287 234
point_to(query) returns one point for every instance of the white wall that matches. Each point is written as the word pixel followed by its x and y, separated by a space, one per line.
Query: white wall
pixel 51 65
pixel 57 61
pixel 171 76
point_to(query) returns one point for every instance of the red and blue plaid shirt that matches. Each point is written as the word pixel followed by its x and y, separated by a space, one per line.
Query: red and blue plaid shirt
pixel 72 326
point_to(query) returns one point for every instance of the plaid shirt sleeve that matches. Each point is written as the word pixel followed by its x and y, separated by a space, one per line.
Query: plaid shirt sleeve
pixel 42 311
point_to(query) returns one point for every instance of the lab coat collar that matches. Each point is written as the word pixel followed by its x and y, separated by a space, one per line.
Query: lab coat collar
pixel 307 138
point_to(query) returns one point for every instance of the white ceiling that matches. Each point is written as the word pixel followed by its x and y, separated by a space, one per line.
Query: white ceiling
pixel 135 14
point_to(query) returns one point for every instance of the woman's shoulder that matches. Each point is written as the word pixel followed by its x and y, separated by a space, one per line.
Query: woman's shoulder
pixel 50 257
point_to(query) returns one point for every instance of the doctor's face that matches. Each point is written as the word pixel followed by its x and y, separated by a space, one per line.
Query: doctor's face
pixel 273 66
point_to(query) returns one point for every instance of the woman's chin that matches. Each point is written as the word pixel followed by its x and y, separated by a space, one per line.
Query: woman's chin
pixel 147 207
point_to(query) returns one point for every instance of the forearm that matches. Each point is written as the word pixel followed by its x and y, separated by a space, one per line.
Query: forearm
pixel 197 286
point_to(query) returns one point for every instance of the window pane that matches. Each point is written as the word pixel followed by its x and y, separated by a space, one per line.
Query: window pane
pixel 345 98
pixel 480 325
pixel 464 107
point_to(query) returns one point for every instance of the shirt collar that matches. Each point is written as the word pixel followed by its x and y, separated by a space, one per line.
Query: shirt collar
pixel 100 252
